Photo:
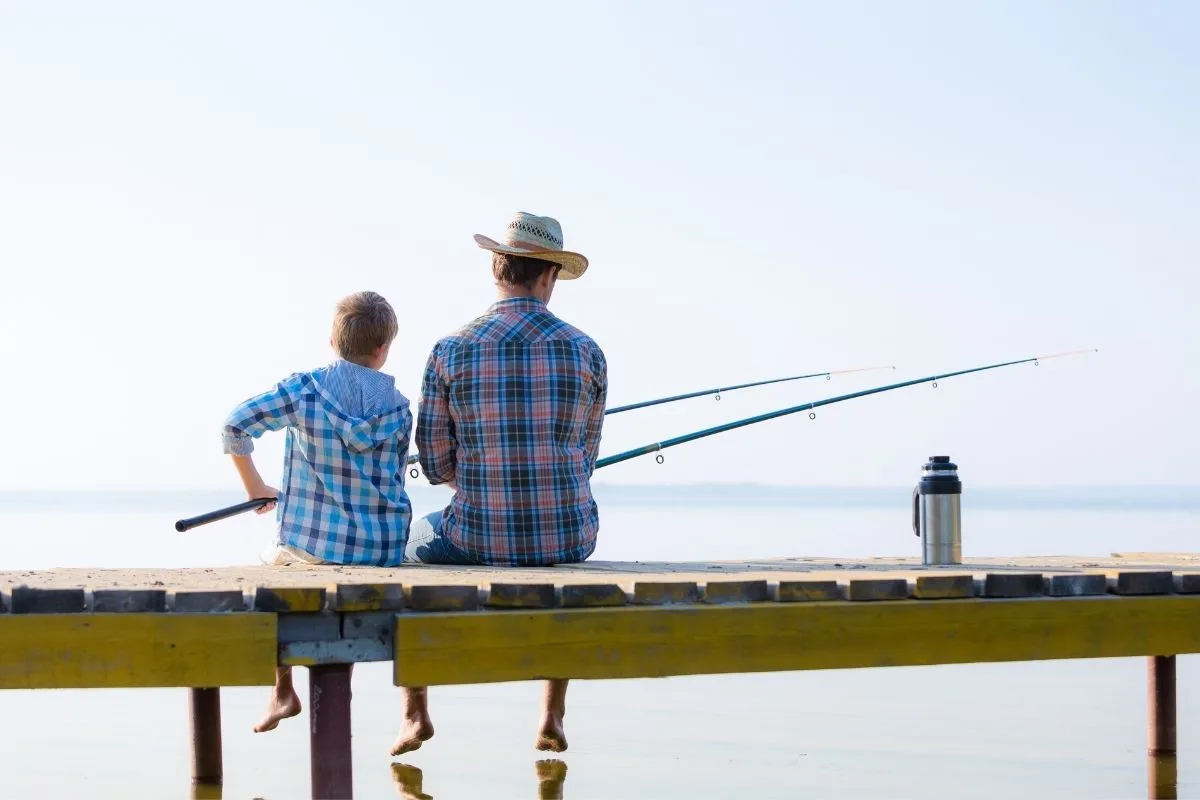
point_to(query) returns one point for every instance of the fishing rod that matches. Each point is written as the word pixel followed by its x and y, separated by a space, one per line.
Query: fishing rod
pixel 715 391
pixel 658 447
pixel 222 513
pixel 251 505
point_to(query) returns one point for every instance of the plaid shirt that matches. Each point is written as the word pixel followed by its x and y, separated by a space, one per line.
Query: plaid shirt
pixel 511 410
pixel 343 498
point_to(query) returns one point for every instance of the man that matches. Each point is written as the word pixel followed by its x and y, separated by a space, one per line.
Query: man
pixel 511 410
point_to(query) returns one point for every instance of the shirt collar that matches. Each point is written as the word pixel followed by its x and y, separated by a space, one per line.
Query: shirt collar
pixel 517 304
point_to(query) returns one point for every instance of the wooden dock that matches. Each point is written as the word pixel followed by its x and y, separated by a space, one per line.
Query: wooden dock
pixel 207 628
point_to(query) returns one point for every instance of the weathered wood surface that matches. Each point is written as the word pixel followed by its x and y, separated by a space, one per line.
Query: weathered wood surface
pixel 136 649
pixel 658 641
pixel 230 626
pixel 600 573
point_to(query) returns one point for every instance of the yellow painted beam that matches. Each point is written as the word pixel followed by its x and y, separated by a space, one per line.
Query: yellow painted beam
pixel 642 642
pixel 81 651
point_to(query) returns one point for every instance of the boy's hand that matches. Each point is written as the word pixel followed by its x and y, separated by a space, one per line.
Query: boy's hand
pixel 264 491
pixel 256 487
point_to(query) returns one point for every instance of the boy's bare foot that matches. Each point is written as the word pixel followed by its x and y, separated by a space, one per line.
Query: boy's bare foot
pixel 551 774
pixel 408 781
pixel 283 705
pixel 417 731
pixel 551 735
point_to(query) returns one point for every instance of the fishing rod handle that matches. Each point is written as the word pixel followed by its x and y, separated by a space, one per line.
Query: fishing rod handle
pixel 222 513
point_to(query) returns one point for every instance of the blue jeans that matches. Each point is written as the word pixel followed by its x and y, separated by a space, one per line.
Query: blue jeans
pixel 427 544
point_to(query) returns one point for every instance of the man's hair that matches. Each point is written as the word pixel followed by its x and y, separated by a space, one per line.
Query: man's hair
pixel 363 322
pixel 520 270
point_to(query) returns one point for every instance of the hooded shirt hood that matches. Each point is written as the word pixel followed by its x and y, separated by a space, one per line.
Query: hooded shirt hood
pixel 361 404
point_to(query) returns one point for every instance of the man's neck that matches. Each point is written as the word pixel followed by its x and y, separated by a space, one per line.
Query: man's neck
pixel 506 291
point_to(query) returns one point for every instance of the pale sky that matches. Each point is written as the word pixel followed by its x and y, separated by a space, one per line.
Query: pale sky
pixel 762 189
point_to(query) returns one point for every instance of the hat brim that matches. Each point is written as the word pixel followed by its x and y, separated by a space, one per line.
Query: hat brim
pixel 573 264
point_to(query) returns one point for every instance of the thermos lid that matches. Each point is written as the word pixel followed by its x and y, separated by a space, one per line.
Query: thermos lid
pixel 939 476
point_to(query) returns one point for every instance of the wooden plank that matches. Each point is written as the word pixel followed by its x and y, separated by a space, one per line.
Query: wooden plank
pixel 1076 585
pixel 877 589
pixel 735 592
pixel 643 642
pixel 308 627
pixel 808 591
pixel 522 595
pixel 98 651
pixel 211 601
pixel 943 587
pixel 127 601
pixel 1133 583
pixel 592 595
pixel 773 570
pixel 28 600
pixel 442 598
pixel 290 599
pixel 660 593
pixel 1013 584
pixel 368 597
pixel 339 651
pixel 1188 583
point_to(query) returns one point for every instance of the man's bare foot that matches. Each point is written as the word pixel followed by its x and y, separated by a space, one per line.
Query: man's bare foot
pixel 417 731
pixel 283 705
pixel 408 781
pixel 551 774
pixel 551 735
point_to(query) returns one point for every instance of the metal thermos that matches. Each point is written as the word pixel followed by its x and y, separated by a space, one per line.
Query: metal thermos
pixel 937 512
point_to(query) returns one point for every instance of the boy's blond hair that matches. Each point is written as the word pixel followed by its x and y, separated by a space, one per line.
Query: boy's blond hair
pixel 363 323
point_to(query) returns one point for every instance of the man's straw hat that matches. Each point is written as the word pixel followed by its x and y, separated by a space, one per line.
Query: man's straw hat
pixel 536 237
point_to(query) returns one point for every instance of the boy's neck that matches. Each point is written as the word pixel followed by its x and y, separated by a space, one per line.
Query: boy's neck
pixel 369 363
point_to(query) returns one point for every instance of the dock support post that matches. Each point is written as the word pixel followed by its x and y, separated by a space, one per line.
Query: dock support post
pixel 204 709
pixel 1160 695
pixel 329 731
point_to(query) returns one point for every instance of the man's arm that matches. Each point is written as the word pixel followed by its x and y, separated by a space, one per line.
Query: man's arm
pixel 436 444
pixel 269 411
pixel 595 423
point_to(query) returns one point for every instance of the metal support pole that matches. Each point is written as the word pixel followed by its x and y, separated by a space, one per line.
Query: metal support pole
pixel 1161 697
pixel 1161 766
pixel 329 731
pixel 205 717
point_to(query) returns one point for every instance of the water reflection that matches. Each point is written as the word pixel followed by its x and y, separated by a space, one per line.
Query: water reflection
pixel 551 775
pixel 1162 776
pixel 409 782
pixel 205 791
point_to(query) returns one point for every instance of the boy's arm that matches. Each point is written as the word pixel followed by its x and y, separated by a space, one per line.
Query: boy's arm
pixel 435 427
pixel 269 411
pixel 595 423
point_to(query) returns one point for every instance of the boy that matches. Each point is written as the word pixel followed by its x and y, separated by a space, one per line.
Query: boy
pixel 348 429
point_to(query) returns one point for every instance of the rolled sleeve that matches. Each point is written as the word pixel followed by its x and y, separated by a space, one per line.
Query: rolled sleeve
pixel 435 439
pixel 269 411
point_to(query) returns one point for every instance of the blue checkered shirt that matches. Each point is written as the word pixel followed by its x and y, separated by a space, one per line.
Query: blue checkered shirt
pixel 511 411
pixel 343 498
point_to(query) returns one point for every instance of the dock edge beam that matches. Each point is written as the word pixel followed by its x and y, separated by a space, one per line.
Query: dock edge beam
pixel 329 731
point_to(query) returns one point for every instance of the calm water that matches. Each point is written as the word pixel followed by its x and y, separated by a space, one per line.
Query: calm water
pixel 1054 729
